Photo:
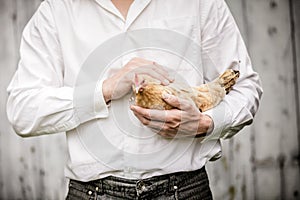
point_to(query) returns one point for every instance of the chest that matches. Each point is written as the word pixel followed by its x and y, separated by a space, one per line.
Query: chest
pixel 84 27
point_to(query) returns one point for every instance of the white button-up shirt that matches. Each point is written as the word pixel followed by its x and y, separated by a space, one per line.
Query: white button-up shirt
pixel 108 140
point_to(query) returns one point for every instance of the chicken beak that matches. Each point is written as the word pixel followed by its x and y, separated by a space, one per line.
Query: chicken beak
pixel 137 89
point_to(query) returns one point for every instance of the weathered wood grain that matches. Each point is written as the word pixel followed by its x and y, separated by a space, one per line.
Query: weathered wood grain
pixel 30 168
pixel 267 150
pixel 261 162
pixel 6 62
pixel 275 125
pixel 232 176
pixel 295 35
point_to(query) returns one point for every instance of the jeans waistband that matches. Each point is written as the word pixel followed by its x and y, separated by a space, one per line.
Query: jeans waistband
pixel 135 188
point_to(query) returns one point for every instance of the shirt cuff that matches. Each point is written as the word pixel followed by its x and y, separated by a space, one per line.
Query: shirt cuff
pixel 101 106
pixel 222 117
pixel 89 102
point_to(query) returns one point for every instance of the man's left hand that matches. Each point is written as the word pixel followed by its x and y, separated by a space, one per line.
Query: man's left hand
pixel 184 120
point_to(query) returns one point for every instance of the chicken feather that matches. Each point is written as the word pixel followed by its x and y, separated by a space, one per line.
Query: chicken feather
pixel 148 94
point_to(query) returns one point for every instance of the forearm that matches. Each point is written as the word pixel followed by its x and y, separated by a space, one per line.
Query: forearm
pixel 222 44
pixel 237 109
pixel 41 111
pixel 48 110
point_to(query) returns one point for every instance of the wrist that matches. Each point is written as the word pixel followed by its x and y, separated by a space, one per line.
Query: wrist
pixel 210 124
pixel 206 125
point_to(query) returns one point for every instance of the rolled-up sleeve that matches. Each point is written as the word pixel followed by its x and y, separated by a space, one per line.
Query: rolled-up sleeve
pixel 39 102
pixel 222 44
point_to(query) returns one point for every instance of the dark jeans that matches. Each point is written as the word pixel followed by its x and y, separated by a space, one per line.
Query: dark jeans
pixel 180 185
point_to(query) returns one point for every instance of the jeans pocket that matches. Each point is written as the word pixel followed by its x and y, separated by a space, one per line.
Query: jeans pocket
pixel 78 192
pixel 75 194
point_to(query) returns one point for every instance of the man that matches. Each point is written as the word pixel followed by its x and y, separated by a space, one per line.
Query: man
pixel 57 43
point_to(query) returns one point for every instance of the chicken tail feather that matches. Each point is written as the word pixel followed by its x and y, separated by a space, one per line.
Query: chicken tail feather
pixel 228 79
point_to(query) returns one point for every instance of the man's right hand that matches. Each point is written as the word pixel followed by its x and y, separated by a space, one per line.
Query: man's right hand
pixel 121 82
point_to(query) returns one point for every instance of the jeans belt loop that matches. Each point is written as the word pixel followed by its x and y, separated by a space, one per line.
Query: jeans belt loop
pixel 172 183
pixel 100 187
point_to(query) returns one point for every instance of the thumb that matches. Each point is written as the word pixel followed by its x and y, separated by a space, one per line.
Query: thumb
pixel 176 102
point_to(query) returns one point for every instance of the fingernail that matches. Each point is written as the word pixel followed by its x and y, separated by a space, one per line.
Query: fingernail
pixel 165 95
pixel 171 78
pixel 166 82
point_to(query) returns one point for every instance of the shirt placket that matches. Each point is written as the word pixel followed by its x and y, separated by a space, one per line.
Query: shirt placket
pixel 137 7
pixel 134 11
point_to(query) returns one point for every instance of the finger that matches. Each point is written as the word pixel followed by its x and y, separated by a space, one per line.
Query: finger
pixel 167 135
pixel 163 71
pixel 157 115
pixel 155 67
pixel 158 126
pixel 154 125
pixel 180 103
pixel 162 129
pixel 159 68
pixel 142 119
pixel 173 134
pixel 154 74
pixel 141 111
pixel 165 126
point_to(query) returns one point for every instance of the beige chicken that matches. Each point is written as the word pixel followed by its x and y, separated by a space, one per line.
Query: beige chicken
pixel 148 93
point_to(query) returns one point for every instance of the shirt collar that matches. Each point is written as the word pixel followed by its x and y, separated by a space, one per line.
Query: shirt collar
pixel 109 6
pixel 135 9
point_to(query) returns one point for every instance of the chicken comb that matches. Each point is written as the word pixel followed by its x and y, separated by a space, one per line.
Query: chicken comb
pixel 136 80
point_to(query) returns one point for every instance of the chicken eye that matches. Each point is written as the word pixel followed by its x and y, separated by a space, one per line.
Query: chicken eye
pixel 141 90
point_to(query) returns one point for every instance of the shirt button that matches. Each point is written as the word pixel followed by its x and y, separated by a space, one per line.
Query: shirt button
pixel 97 189
pixel 175 187
pixel 90 192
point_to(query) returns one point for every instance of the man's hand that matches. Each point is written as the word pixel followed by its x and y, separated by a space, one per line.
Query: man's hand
pixel 184 121
pixel 120 83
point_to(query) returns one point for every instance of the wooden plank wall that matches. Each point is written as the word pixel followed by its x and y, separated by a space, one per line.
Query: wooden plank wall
pixel 295 15
pixel 261 162
pixel 30 168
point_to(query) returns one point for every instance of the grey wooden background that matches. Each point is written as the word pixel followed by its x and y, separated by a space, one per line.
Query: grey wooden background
pixel 261 162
